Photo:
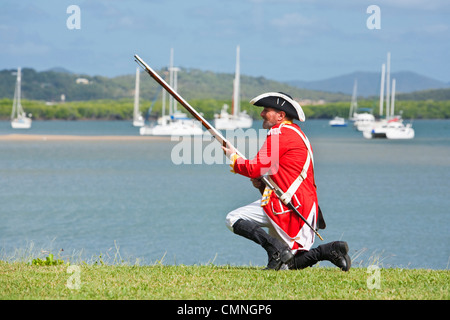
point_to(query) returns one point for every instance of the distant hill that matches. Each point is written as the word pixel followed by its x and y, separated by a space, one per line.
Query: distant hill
pixel 435 95
pixel 192 84
pixel 60 69
pixel 369 83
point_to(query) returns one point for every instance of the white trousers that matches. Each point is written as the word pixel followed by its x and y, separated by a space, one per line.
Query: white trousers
pixel 254 212
pixel 251 212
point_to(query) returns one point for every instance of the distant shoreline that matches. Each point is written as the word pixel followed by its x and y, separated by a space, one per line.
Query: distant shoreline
pixel 51 137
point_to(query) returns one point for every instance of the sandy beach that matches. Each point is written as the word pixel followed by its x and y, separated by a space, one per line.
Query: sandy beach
pixel 50 137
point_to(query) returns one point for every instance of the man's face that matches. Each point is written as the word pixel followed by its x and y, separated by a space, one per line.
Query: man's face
pixel 271 117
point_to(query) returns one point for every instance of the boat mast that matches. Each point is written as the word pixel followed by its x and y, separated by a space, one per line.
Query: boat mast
pixel 175 86
pixel 171 101
pixel 163 105
pixel 173 81
pixel 382 88
pixel 136 95
pixel 388 84
pixel 235 105
pixel 353 103
pixel 17 106
pixel 393 97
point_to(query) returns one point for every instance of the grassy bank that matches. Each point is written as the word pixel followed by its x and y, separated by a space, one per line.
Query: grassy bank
pixel 20 280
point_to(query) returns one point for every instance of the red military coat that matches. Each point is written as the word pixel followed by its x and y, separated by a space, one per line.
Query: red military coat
pixel 283 157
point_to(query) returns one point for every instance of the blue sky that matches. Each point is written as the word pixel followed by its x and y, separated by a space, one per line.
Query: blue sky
pixel 279 39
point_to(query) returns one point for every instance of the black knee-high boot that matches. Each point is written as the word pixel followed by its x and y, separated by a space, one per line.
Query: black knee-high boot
pixel 277 251
pixel 335 252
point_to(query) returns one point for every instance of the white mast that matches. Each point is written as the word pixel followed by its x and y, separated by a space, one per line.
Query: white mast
pixel 393 97
pixel 388 84
pixel 171 81
pixel 175 87
pixel 163 105
pixel 353 103
pixel 19 119
pixel 17 110
pixel 236 84
pixel 138 119
pixel 136 95
pixel 382 88
pixel 17 106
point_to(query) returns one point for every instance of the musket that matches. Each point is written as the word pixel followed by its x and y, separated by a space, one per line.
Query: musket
pixel 215 133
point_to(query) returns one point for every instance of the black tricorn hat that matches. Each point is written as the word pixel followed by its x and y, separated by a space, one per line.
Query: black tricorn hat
pixel 280 101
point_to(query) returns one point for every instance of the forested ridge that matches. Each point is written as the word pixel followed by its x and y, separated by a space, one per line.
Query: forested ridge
pixel 64 95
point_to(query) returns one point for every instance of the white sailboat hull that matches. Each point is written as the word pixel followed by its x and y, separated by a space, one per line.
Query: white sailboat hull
pixel 390 130
pixel 337 122
pixel 363 126
pixel 139 122
pixel 367 134
pixel 177 128
pixel 22 123
pixel 405 132
pixel 363 122
pixel 377 129
pixel 230 122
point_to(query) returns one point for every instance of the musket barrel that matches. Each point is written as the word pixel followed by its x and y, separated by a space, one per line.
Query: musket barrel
pixel 217 135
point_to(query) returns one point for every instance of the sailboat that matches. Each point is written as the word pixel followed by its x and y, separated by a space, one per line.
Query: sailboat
pixel 19 119
pixel 397 129
pixel 354 102
pixel 377 128
pixel 237 118
pixel 138 119
pixel 362 118
pixel 337 122
pixel 400 131
pixel 352 114
pixel 391 127
pixel 175 123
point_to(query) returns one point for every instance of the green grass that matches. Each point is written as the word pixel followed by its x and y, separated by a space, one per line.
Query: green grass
pixel 20 280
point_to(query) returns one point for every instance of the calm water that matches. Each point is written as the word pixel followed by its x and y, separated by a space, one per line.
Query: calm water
pixel 388 199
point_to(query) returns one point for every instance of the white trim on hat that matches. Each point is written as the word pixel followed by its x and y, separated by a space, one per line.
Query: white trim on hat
pixel 295 104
